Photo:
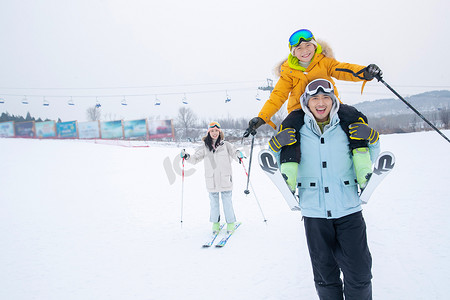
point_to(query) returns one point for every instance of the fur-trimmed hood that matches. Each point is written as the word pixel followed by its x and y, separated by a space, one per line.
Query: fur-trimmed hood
pixel 327 51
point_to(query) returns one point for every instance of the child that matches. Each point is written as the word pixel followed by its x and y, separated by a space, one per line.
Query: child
pixel 309 60
pixel 217 155
pixel 334 225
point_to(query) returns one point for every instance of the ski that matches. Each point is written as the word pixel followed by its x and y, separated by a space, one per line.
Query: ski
pixel 213 238
pixel 383 165
pixel 225 239
pixel 269 165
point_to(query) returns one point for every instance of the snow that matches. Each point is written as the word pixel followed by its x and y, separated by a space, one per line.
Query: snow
pixel 83 220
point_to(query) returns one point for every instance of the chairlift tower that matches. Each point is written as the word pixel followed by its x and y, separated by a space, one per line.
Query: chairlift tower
pixel 269 86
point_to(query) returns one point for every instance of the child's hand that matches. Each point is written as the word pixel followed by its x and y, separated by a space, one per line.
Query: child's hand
pixel 372 71
pixel 253 124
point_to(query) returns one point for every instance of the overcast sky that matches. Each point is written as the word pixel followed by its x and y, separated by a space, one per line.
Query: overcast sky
pixel 203 50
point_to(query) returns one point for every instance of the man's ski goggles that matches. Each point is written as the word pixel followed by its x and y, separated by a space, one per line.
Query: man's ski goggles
pixel 214 124
pixel 300 36
pixel 319 84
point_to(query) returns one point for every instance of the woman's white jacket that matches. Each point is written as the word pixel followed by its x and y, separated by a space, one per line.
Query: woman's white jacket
pixel 218 169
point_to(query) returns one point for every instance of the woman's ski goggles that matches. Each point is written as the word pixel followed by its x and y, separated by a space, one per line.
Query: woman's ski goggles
pixel 214 124
pixel 300 36
pixel 319 84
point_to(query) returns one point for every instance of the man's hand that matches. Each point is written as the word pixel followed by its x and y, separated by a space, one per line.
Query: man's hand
pixel 283 138
pixel 361 131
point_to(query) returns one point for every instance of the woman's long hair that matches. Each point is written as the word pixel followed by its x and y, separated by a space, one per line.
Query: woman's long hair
pixel 209 142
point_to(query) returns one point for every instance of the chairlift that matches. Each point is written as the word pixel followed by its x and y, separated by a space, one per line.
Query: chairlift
pixel 228 99
pixel 184 100
pixel 97 104
pixel 157 102
pixel 45 102
pixel 70 102
pixel 25 100
pixel 124 101
pixel 258 98
pixel 2 100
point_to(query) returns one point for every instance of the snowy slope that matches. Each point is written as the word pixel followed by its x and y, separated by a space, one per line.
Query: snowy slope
pixel 80 220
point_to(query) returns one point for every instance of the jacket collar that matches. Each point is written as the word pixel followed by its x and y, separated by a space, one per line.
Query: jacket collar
pixel 294 69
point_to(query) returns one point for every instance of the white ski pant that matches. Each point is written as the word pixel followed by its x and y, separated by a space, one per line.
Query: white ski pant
pixel 227 206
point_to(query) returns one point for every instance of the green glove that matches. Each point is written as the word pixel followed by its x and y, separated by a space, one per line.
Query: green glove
pixel 289 171
pixel 283 138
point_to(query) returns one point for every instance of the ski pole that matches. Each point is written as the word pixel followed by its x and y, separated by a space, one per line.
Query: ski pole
pixel 182 193
pixel 410 106
pixel 250 162
pixel 256 198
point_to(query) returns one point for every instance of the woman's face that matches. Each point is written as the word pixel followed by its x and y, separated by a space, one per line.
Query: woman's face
pixel 305 51
pixel 214 133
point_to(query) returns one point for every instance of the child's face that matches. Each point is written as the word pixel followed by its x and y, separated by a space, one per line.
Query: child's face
pixel 305 51
pixel 320 106
pixel 214 133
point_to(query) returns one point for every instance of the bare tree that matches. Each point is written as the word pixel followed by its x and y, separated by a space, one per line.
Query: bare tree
pixel 93 113
pixel 186 120
pixel 445 117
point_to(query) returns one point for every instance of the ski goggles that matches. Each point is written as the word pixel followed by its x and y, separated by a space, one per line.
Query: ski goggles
pixel 300 36
pixel 319 84
pixel 214 124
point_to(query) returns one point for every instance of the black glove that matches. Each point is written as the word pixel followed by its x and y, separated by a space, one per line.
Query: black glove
pixel 361 131
pixel 253 124
pixel 372 71
pixel 184 154
pixel 283 138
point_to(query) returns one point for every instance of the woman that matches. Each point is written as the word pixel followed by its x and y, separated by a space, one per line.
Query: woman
pixel 217 155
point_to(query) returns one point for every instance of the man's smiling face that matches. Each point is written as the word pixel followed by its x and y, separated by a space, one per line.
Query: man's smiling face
pixel 320 106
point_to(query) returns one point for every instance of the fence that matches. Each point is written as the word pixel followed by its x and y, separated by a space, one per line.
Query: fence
pixel 119 129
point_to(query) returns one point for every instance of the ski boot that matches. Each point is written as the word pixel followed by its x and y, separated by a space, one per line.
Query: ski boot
pixel 363 165
pixel 216 227
pixel 230 227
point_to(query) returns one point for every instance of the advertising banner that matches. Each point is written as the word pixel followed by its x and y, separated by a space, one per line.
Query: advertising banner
pixel 24 129
pixel 160 129
pixel 112 130
pixel 66 130
pixel 7 129
pixel 45 129
pixel 135 128
pixel 89 130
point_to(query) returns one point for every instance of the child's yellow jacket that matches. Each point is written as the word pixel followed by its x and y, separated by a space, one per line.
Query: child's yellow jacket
pixel 292 83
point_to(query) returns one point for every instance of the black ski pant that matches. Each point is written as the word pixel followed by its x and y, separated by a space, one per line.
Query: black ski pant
pixel 340 245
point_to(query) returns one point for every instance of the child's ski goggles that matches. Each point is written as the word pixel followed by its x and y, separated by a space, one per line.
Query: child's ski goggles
pixel 300 36
pixel 214 124
pixel 313 87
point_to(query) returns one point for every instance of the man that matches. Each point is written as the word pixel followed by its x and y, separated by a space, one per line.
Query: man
pixel 328 192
